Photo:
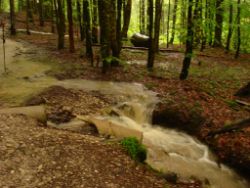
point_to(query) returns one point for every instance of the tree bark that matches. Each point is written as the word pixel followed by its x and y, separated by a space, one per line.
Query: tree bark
pixel 230 27
pixel 158 14
pixel 71 31
pixel 168 23
pixel 174 21
pixel 142 16
pixel 219 24
pixel 27 17
pixel 118 26
pixel 60 23
pixel 86 13
pixel 12 18
pixel 126 19
pixel 103 7
pixel 79 19
pixel 189 43
pixel 41 13
pixel 151 50
pixel 238 29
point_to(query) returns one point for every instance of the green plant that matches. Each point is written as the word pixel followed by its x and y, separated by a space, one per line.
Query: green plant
pixel 134 148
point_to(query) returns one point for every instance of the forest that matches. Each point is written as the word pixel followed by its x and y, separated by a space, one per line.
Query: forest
pixel 125 93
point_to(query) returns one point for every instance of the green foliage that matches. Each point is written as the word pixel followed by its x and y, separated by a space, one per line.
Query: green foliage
pixel 136 150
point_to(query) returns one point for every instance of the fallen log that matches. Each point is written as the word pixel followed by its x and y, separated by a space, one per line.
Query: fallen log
pixel 36 112
pixel 231 127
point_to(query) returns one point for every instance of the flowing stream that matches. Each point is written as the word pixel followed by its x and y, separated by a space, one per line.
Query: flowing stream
pixel 168 150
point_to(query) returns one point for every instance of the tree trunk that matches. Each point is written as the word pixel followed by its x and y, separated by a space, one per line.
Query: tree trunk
pixel 174 21
pixel 79 19
pixel 142 16
pixel 71 31
pixel 60 23
pixel 189 43
pixel 230 27
pixel 158 12
pixel 219 24
pixel 41 13
pixel 238 29
pixel 168 23
pixel 103 7
pixel 27 17
pixel 12 18
pixel 95 28
pixel 86 13
pixel 151 50
pixel 126 19
pixel 118 26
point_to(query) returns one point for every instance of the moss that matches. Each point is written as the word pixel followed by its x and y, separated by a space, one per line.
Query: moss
pixel 135 150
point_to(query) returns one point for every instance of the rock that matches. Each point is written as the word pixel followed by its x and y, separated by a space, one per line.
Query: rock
pixel 140 40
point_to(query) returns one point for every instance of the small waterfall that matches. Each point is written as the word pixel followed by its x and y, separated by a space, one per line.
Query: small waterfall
pixel 168 150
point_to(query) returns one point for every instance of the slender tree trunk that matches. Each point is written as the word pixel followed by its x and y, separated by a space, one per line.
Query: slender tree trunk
pixel 210 7
pixel 205 29
pixel 103 8
pixel 189 43
pixel 71 31
pixel 168 23
pixel 12 18
pixel 230 27
pixel 151 50
pixel 118 25
pixel 197 23
pixel 52 17
pixel 142 16
pixel 158 11
pixel 126 19
pixel 95 28
pixel 219 24
pixel 174 21
pixel 79 18
pixel 60 23
pixel 86 13
pixel 238 29
pixel 41 13
pixel 27 17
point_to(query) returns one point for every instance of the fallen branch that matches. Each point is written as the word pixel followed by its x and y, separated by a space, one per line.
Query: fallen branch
pixel 231 127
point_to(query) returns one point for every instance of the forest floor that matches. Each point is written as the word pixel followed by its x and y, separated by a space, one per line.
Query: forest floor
pixel 209 91
pixel 214 79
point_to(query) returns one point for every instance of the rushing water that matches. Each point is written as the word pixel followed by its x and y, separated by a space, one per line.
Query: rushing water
pixel 168 150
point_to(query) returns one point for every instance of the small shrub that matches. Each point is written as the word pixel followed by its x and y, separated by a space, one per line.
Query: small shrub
pixel 135 150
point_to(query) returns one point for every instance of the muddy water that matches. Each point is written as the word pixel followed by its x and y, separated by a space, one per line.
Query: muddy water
pixel 168 150
pixel 24 77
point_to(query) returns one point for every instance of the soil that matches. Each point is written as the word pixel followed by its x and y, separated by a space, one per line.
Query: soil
pixel 34 156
